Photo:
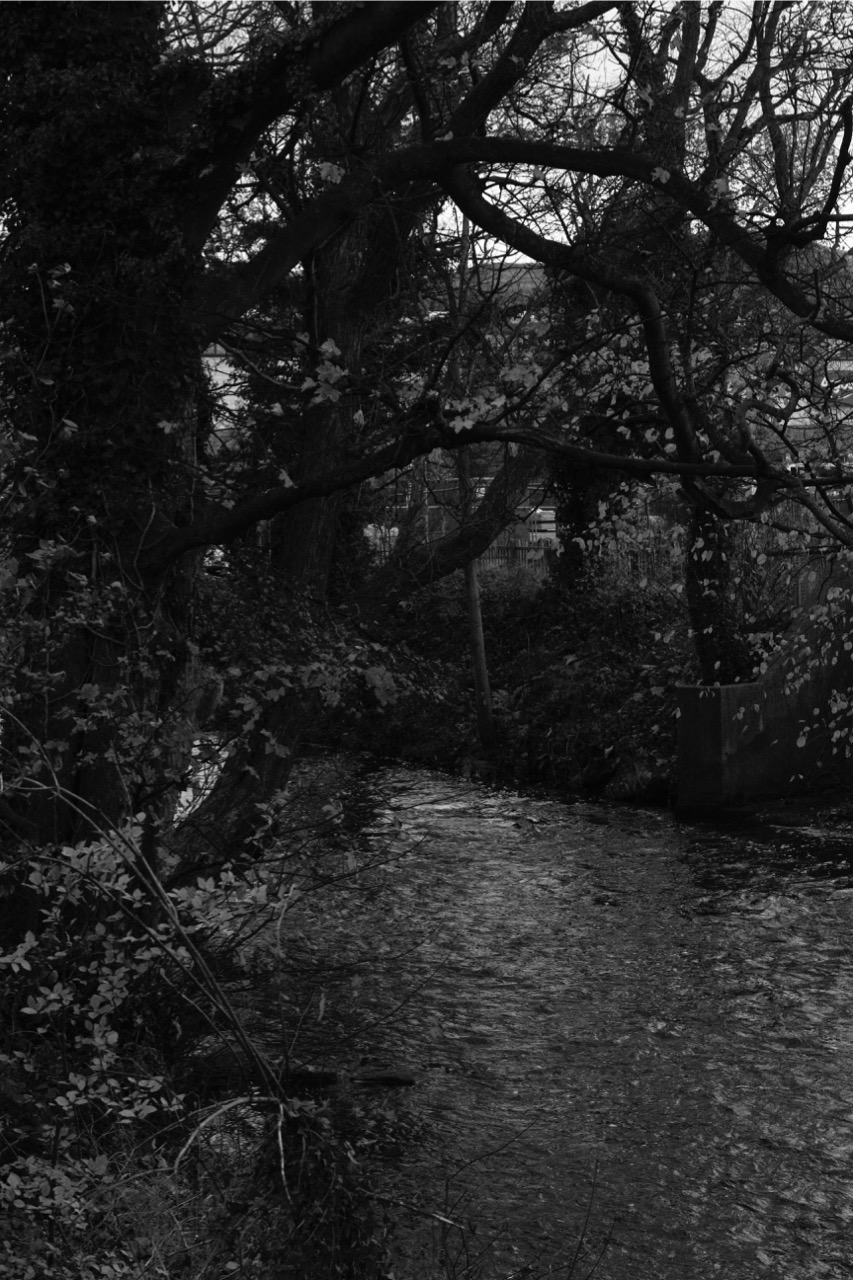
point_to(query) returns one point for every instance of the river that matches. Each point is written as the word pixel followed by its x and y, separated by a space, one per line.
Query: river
pixel 631 1039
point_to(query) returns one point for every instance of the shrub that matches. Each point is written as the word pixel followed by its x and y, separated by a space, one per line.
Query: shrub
pixel 124 1154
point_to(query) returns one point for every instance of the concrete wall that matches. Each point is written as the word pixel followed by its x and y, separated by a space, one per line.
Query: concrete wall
pixel 740 742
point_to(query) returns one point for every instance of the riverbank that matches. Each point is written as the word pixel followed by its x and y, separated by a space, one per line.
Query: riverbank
pixel 445 1031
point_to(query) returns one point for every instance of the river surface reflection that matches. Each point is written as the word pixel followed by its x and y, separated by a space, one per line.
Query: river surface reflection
pixel 632 1039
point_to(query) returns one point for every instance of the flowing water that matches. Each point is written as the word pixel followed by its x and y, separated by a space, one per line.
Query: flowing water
pixel 632 1040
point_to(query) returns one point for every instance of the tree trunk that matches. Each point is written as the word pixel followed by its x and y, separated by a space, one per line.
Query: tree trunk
pixel 245 811
pixel 305 539
pixel 476 639
pixel 95 277
pixel 482 689
pixel 246 799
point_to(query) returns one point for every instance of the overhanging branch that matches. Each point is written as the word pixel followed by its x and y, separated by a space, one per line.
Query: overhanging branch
pixel 432 560
pixel 222 526
pixel 439 159
pixel 563 257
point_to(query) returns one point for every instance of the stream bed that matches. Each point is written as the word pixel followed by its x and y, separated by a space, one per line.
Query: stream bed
pixel 631 1039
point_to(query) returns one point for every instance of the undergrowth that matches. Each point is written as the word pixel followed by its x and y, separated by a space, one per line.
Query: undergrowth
pixel 583 680
pixel 151 1127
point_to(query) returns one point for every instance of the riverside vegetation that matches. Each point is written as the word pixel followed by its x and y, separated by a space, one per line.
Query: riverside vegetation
pixel 583 684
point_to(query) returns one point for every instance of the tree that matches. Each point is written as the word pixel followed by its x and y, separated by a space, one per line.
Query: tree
pixel 106 278
pixel 135 150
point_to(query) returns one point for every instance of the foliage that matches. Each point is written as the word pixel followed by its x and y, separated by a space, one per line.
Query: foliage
pixel 583 677
pixel 591 702
pixel 125 1152
pixel 649 533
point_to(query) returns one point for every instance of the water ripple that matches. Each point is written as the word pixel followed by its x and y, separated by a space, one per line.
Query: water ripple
pixel 633 1040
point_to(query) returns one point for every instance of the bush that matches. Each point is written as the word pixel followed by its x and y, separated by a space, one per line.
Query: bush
pixel 583 678
pixel 594 691
pixel 125 1152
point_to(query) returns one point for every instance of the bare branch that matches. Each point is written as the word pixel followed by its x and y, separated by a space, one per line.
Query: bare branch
pixel 563 257
pixel 251 98
pixel 438 159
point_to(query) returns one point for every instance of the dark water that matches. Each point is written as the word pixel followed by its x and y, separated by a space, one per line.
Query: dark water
pixel 633 1040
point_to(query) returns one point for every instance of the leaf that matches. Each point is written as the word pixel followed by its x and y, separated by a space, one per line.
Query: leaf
pixel 382 683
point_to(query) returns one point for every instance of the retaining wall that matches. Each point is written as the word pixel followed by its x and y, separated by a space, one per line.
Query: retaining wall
pixel 782 734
